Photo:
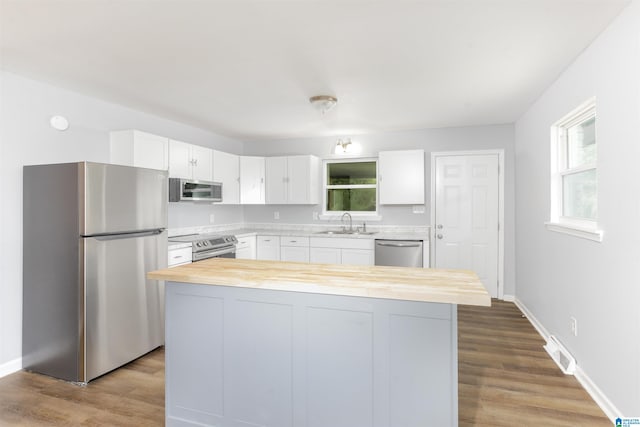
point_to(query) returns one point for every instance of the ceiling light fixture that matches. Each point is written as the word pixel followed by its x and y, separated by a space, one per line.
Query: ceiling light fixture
pixel 323 103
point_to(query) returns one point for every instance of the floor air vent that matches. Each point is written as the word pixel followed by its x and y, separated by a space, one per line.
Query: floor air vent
pixel 560 355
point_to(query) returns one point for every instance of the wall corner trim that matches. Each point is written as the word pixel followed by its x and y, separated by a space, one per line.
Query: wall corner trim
pixel 10 367
pixel 590 387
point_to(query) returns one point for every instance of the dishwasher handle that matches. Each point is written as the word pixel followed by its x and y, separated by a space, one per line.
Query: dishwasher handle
pixel 397 244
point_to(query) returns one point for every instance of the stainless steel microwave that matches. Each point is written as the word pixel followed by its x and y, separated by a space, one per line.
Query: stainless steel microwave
pixel 187 190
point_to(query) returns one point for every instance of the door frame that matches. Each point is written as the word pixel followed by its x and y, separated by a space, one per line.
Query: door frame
pixel 432 236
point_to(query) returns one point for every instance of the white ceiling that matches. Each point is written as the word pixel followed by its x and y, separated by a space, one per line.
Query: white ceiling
pixel 247 68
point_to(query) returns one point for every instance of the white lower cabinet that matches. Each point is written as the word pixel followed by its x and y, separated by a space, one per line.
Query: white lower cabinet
pixel 294 248
pixel 268 248
pixel 357 256
pixel 325 255
pixel 246 247
pixel 179 256
pixel 331 250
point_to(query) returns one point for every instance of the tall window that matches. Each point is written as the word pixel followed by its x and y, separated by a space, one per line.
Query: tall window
pixel 574 183
pixel 351 186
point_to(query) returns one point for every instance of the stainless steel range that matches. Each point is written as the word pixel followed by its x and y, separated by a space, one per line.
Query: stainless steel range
pixel 206 246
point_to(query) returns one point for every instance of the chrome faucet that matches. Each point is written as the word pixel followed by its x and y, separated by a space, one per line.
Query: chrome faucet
pixel 350 222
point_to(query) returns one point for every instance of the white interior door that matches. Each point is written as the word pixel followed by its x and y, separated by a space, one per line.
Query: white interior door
pixel 467 215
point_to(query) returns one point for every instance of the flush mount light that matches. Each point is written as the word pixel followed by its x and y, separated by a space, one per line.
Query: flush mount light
pixel 323 103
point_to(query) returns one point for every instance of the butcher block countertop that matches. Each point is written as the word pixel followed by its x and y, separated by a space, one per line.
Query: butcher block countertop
pixel 400 283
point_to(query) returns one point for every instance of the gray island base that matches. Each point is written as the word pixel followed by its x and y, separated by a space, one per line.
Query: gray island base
pixel 251 357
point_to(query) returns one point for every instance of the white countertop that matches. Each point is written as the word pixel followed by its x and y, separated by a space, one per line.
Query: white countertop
pixel 390 234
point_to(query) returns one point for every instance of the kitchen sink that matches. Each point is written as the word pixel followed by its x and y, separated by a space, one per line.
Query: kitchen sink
pixel 345 232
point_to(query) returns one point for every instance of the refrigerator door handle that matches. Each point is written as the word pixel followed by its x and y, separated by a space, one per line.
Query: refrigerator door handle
pixel 144 233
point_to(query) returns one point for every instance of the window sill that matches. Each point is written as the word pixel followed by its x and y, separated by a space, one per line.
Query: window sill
pixel 355 217
pixel 584 233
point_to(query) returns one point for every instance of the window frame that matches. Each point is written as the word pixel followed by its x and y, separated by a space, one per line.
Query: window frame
pixel 369 215
pixel 576 226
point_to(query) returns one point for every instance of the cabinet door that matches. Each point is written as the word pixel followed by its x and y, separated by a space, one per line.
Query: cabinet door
pixel 179 159
pixel 252 180
pixel 325 255
pixel 246 247
pixel 150 151
pixel 139 149
pixel 202 163
pixel 401 177
pixel 298 174
pixel 276 180
pixel 357 256
pixel 303 181
pixel 268 248
pixel 294 253
pixel 226 169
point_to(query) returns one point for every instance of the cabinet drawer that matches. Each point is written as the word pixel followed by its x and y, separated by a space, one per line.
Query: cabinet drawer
pixel 179 256
pixel 294 241
pixel 341 242
pixel 244 242
pixel 265 241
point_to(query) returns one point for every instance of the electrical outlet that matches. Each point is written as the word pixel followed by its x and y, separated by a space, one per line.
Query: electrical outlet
pixel 574 326
pixel 276 215
pixel 315 215
pixel 212 218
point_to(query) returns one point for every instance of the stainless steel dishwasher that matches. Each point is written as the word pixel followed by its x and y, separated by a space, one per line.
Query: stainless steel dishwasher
pixel 401 253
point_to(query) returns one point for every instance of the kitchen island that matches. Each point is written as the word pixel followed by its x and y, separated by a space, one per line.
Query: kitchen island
pixel 263 343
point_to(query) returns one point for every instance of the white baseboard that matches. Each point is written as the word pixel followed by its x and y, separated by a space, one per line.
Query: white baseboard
pixel 507 297
pixel 10 367
pixel 532 319
pixel 596 394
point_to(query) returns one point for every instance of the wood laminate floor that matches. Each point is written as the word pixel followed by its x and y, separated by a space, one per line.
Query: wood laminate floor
pixel 505 379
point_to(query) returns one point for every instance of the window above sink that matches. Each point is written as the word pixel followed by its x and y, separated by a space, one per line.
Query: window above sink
pixel 350 186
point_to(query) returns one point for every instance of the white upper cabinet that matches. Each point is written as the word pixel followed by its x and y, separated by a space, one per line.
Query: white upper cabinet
pixel 252 177
pixel 140 149
pixel 293 180
pixel 190 161
pixel 226 169
pixel 202 166
pixel 276 177
pixel 401 177
pixel 303 179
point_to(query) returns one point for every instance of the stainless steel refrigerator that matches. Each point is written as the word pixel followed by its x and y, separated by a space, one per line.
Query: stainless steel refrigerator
pixel 91 232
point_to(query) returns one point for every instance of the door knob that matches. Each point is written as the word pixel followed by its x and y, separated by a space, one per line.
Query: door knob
pixel 439 236
pixel 439 226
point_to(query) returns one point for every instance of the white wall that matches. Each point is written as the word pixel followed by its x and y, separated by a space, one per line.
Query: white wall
pixel 560 276
pixel 27 138
pixel 446 139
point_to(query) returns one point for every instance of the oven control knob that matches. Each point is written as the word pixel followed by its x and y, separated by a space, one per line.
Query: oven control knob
pixel 205 243
pixel 198 244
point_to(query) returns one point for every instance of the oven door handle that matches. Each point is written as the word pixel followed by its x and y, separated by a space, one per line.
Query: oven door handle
pixel 197 256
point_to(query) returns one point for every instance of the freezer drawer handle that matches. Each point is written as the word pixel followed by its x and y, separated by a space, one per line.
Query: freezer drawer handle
pixel 400 245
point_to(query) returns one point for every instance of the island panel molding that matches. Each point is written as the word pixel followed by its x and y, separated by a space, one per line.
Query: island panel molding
pixel 254 357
